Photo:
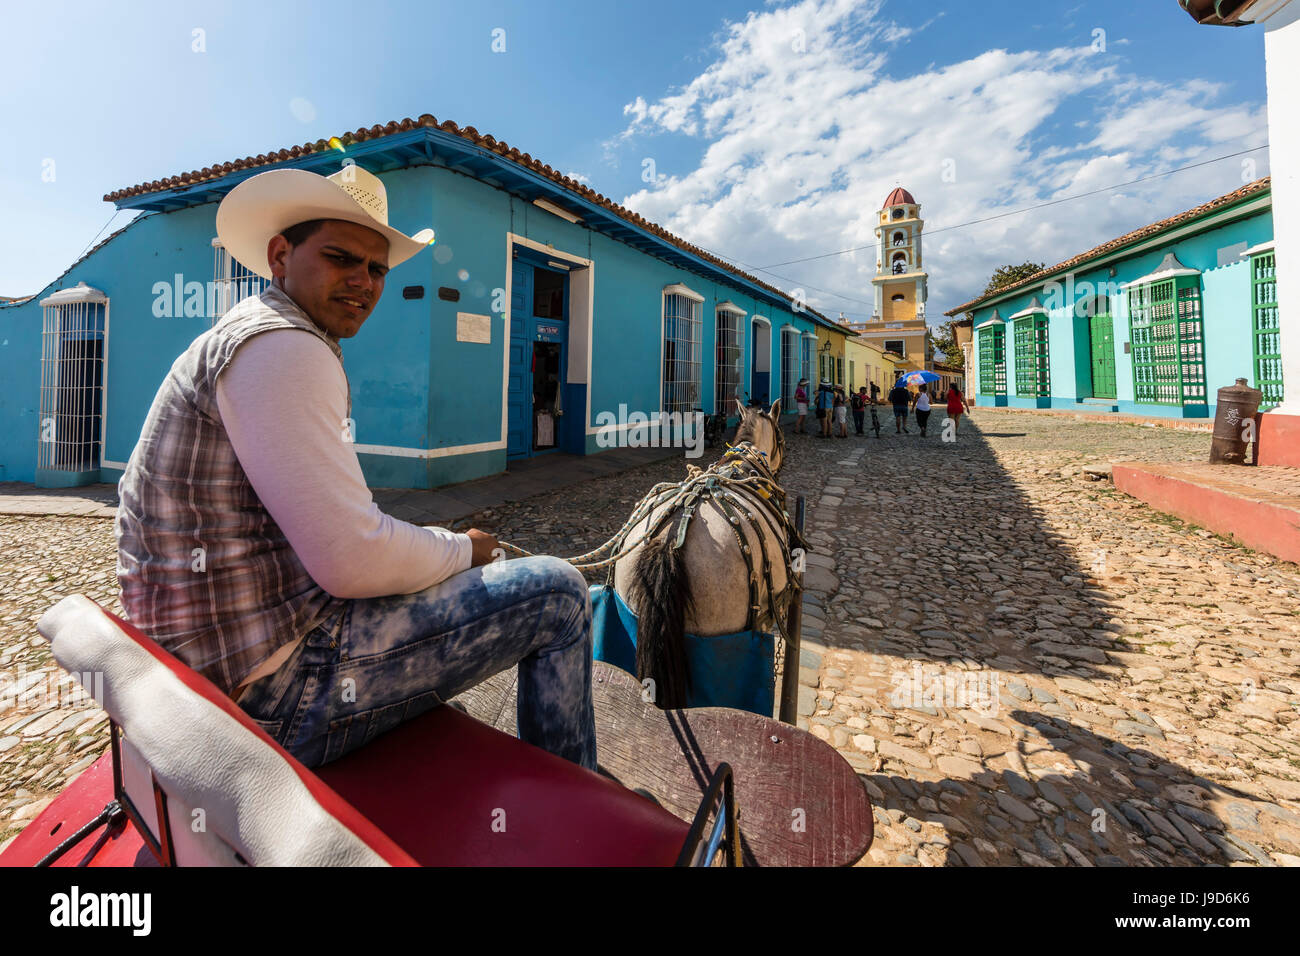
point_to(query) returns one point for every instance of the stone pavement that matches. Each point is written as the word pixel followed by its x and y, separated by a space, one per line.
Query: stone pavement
pixel 1098 683
pixel 1029 667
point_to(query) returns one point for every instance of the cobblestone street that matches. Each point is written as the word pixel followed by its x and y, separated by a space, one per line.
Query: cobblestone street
pixel 1025 665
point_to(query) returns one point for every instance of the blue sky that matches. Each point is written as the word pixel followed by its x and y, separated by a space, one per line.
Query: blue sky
pixel 775 129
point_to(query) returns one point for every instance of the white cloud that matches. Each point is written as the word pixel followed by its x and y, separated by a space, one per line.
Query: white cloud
pixel 804 135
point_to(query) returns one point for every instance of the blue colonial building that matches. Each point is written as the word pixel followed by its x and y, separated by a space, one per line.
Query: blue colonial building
pixel 1151 323
pixel 542 311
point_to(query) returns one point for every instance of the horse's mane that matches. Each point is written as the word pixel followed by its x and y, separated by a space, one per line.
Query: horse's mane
pixel 746 431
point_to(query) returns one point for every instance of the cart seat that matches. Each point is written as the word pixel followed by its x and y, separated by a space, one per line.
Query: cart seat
pixel 441 789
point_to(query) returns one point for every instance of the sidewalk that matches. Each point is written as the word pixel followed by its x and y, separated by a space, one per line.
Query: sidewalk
pixel 522 479
pixel 1257 506
pixel 1120 418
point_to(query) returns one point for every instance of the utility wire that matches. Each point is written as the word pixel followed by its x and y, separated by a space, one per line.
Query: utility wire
pixel 116 212
pixel 1016 212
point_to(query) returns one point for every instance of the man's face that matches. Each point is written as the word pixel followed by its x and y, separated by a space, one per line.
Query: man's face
pixel 336 275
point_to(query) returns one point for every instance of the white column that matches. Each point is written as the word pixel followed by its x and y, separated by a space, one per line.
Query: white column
pixel 1281 56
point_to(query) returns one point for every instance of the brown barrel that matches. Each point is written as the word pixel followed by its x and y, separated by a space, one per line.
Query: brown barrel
pixel 1234 421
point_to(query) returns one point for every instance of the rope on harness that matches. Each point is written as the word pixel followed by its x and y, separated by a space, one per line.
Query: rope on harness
pixel 742 469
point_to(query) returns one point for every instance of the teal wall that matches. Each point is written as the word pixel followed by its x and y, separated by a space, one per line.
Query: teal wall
pixel 1225 305
pixel 413 385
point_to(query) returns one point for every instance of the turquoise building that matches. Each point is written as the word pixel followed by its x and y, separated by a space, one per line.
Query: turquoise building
pixel 542 313
pixel 1151 323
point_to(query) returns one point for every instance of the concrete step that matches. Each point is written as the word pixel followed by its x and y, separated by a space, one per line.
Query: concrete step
pixel 1257 506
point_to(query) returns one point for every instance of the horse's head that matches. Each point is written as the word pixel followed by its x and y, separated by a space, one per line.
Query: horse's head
pixel 762 429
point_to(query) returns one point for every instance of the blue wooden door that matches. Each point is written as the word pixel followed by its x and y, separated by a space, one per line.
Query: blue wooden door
pixel 519 418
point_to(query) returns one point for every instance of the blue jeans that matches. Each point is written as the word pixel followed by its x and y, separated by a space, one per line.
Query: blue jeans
pixel 378 662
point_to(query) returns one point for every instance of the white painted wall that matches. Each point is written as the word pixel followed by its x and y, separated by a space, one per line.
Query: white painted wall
pixel 1282 65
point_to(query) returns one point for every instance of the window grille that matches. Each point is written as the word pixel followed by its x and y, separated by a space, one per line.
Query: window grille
pixel 681 354
pixel 233 281
pixel 1168 337
pixel 993 363
pixel 74 330
pixel 1032 378
pixel 789 367
pixel 1267 347
pixel 729 356
pixel 805 364
pixel 839 370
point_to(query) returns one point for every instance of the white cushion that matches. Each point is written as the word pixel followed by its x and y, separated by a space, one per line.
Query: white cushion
pixel 254 803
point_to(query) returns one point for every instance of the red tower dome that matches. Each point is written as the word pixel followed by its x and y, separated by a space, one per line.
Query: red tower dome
pixel 899 197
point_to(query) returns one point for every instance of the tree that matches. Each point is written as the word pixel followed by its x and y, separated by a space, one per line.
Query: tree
pixel 945 337
pixel 945 341
pixel 1004 276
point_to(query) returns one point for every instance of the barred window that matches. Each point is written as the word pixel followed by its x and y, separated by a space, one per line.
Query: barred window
pixel 1267 345
pixel 1032 380
pixel 681 391
pixel 233 281
pixel 729 348
pixel 789 367
pixel 74 332
pixel 1168 336
pixel 993 362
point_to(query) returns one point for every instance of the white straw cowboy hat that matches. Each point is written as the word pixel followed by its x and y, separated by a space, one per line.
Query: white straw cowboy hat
pixel 269 203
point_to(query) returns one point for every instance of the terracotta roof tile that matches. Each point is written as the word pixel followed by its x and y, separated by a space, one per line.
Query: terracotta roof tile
pixel 470 134
pixel 1128 238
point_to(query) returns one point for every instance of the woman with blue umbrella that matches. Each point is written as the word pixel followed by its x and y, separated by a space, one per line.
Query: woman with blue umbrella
pixel 922 401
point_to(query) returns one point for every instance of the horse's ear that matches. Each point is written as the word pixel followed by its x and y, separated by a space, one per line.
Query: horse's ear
pixel 775 411
pixel 740 409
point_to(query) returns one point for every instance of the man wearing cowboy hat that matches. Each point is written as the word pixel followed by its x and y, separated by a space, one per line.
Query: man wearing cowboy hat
pixel 250 546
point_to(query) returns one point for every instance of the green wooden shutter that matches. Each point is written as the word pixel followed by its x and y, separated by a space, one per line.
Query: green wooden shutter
pixel 1032 380
pixel 1168 336
pixel 1267 348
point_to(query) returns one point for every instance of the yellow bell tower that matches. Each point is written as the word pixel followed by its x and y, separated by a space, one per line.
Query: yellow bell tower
pixel 898 319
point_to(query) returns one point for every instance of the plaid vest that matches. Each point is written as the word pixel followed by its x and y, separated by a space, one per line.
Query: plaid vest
pixel 205 570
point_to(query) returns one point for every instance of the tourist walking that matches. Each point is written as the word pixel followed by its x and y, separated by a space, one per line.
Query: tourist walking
pixel 899 398
pixel 841 413
pixel 859 408
pixel 801 404
pixel 825 406
pixel 956 402
pixel 922 405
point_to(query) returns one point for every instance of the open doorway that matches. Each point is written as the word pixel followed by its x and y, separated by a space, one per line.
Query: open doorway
pixel 546 394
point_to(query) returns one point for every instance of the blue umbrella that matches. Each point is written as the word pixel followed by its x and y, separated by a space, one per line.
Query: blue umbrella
pixel 917 378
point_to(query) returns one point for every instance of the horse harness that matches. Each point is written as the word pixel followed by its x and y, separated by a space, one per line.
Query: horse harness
pixel 742 468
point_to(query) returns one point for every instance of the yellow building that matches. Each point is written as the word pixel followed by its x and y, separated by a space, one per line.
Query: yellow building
pixel 870 365
pixel 897 323
pixel 829 362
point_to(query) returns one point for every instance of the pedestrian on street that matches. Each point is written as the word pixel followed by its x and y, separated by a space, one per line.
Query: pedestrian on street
pixel 841 413
pixel 859 408
pixel 922 405
pixel 825 407
pixel 956 402
pixel 898 397
pixel 801 404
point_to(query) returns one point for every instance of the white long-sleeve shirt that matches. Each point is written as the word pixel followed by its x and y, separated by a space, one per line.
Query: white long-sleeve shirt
pixel 283 402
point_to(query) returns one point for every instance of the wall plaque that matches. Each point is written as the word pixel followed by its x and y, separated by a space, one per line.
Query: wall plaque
pixel 473 328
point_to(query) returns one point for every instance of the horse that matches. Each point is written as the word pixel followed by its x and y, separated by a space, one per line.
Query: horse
pixel 723 566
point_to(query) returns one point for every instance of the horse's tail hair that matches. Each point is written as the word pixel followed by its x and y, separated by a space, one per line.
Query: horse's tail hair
pixel 661 592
